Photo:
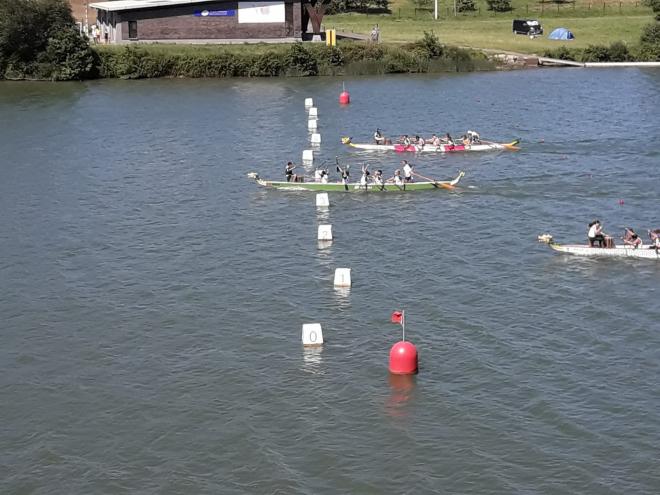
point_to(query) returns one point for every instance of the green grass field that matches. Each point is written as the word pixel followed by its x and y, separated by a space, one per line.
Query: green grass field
pixel 590 23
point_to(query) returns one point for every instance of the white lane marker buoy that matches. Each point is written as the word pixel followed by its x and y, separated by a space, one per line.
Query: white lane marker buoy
pixel 322 200
pixel 308 156
pixel 325 233
pixel 343 277
pixel 312 334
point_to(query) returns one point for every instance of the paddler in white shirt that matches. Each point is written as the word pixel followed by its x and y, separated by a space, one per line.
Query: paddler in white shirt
pixel 365 176
pixel 396 179
pixel 378 177
pixel 407 171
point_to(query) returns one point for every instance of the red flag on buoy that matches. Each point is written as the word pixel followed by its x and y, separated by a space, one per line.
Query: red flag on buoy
pixel 397 317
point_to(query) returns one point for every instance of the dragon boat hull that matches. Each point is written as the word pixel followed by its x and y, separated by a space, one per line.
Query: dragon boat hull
pixel 614 252
pixel 442 148
pixel 357 187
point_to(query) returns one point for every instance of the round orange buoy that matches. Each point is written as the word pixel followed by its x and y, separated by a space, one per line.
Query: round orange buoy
pixel 403 358
pixel 344 98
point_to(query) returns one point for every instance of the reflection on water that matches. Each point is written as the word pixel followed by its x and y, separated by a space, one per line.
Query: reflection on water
pixel 322 213
pixel 312 360
pixel 402 388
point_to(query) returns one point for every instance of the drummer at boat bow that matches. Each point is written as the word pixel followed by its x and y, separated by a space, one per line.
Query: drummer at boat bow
pixel 378 137
pixel 288 171
pixel 596 234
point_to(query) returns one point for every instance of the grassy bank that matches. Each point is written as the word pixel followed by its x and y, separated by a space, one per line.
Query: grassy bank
pixel 593 25
pixel 496 33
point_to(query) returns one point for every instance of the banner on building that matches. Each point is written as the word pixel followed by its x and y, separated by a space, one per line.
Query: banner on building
pixel 260 12
pixel 215 13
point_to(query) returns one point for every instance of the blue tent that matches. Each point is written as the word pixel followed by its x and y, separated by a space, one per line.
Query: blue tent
pixel 561 34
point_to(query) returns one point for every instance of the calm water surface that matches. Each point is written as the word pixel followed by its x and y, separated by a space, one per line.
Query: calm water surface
pixel 153 296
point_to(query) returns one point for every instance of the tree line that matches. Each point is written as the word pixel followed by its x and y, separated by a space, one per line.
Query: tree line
pixel 39 40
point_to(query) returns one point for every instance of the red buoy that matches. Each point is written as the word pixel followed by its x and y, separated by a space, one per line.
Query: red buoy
pixel 403 358
pixel 344 98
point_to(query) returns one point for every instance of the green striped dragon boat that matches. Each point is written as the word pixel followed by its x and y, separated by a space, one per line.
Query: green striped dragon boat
pixel 356 186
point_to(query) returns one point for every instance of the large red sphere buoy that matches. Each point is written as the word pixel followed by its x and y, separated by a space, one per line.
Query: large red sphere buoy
pixel 403 358
pixel 344 98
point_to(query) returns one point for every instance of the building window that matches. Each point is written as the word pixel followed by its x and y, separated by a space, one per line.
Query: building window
pixel 132 30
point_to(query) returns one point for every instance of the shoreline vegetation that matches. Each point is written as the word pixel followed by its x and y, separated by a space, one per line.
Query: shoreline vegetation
pixel 38 41
pixel 427 55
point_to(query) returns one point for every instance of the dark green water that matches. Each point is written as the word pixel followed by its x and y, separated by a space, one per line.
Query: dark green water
pixel 153 297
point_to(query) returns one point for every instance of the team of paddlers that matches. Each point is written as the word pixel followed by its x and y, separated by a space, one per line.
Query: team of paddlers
pixel 470 137
pixel 630 238
pixel 401 176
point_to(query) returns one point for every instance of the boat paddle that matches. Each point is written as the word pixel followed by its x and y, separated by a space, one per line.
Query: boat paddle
pixel 343 172
pixel 435 182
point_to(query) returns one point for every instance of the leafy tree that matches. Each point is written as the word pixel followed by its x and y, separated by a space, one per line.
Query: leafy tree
pixel 499 5
pixel 465 6
pixel 650 42
pixel 655 5
pixel 70 54
pixel 28 27
pixel 339 6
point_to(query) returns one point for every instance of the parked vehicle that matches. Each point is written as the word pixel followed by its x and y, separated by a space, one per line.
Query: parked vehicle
pixel 529 27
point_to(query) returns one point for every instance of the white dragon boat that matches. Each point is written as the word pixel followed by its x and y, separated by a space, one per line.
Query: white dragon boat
pixel 442 148
pixel 646 252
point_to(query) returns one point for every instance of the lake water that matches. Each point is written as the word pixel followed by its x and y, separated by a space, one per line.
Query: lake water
pixel 153 296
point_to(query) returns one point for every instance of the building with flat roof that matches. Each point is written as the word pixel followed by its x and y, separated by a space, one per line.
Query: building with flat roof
pixel 124 21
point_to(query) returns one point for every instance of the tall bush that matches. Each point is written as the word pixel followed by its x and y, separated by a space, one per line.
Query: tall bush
pixel 650 42
pixel 655 6
pixel 499 5
pixel 70 55
pixel 466 6
pixel 301 61
pixel 28 27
